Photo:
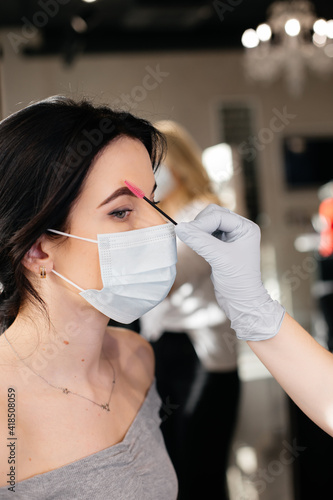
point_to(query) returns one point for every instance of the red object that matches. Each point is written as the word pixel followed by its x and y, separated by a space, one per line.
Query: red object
pixel 135 190
pixel 326 235
pixel 140 194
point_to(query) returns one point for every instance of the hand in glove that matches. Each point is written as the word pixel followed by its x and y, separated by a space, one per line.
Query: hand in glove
pixel 234 255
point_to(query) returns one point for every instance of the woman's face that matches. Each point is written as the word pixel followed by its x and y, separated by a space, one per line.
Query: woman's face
pixel 106 206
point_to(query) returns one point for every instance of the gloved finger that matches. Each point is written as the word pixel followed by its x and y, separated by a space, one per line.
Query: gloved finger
pixel 215 218
pixel 202 243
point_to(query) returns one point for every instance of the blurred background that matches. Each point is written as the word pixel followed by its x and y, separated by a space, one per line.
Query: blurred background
pixel 252 82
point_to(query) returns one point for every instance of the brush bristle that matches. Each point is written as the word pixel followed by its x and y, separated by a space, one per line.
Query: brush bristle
pixel 135 190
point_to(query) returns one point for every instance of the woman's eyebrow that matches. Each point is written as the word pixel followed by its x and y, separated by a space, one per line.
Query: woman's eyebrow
pixel 123 191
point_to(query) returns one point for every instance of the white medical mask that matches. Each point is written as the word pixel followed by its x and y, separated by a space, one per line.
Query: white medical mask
pixel 138 269
pixel 165 182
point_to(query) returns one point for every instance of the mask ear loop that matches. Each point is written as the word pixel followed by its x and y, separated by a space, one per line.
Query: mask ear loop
pixel 68 281
pixel 71 236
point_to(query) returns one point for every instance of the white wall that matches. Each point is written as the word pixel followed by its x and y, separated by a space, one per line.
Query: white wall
pixel 194 84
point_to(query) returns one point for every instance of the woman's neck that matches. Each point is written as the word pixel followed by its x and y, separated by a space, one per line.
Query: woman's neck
pixel 70 347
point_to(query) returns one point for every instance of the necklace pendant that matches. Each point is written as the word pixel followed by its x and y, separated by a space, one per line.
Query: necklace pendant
pixel 65 390
pixel 106 407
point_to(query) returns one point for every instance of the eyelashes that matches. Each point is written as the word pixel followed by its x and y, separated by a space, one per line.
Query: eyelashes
pixel 124 213
pixel 120 214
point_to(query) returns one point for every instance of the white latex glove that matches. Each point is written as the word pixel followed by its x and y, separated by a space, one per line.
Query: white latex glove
pixel 234 255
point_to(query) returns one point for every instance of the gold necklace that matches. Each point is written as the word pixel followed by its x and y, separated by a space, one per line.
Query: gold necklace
pixel 105 406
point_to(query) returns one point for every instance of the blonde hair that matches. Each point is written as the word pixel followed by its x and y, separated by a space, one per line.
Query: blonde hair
pixel 183 158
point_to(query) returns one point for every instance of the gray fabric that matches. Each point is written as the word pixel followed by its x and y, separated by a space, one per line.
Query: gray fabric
pixel 138 468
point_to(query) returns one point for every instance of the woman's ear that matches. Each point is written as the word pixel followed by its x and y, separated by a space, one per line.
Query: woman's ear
pixel 37 257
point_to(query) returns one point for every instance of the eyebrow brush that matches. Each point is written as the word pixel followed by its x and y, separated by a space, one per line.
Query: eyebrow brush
pixel 140 194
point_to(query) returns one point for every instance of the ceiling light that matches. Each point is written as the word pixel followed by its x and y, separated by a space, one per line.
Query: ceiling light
pixel 328 49
pixel 79 24
pixel 264 32
pixel 292 27
pixel 292 41
pixel 320 27
pixel 319 40
pixel 329 28
pixel 250 39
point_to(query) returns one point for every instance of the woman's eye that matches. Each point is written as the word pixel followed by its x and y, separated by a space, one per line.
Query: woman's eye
pixel 123 214
pixel 120 214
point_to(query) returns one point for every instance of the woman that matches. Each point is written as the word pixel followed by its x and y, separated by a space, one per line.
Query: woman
pixel 195 348
pixel 79 404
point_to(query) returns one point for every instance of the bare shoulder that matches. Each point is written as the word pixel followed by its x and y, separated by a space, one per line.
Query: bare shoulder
pixel 136 355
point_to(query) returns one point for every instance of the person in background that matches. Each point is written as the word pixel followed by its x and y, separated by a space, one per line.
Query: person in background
pixel 195 348
pixel 301 365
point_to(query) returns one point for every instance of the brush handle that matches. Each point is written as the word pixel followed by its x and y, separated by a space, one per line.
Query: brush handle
pixel 159 210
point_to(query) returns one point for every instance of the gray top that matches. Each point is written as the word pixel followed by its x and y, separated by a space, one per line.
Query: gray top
pixel 137 468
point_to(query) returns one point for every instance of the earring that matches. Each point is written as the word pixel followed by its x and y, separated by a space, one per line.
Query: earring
pixel 42 272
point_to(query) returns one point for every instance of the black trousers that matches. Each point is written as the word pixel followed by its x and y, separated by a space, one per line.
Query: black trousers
pixel 312 467
pixel 198 414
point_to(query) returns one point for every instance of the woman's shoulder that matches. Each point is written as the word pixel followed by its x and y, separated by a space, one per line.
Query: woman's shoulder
pixel 135 354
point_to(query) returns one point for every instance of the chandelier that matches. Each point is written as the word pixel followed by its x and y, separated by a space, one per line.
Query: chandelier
pixel 291 42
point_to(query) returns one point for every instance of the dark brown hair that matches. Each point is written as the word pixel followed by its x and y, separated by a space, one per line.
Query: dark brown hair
pixel 46 151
